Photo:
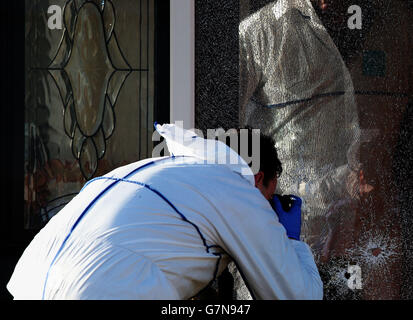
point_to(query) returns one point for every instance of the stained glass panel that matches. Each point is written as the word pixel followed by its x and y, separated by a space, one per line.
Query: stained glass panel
pixel 89 96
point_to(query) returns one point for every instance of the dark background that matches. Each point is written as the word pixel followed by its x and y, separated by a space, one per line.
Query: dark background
pixel 13 238
pixel 216 64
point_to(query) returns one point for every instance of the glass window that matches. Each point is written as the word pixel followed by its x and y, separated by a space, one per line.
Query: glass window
pixel 89 95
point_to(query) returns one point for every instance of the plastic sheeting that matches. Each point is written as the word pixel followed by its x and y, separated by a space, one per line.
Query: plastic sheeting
pixel 305 95
pixel 336 124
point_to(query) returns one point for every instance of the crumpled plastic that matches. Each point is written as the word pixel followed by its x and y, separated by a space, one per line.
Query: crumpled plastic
pixel 295 86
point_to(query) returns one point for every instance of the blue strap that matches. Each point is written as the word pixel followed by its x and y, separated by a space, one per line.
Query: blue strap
pixel 89 206
pixel 115 181
pixel 317 96
pixel 165 199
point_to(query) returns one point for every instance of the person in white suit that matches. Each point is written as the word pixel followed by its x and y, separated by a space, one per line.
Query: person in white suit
pixel 164 228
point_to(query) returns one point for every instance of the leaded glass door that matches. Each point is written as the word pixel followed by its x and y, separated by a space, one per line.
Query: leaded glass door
pixel 89 104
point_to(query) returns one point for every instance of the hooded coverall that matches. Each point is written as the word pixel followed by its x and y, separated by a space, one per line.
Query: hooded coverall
pixel 164 228
pixel 295 86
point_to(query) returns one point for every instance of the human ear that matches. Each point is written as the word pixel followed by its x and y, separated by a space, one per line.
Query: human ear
pixel 259 178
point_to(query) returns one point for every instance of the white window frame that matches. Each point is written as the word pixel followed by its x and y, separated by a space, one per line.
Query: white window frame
pixel 182 53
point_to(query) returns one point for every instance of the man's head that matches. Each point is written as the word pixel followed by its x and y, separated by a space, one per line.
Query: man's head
pixel 270 166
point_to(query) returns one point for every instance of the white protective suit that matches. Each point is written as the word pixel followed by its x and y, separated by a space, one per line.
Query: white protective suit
pixel 295 86
pixel 164 228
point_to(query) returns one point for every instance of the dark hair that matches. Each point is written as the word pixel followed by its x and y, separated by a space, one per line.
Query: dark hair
pixel 270 165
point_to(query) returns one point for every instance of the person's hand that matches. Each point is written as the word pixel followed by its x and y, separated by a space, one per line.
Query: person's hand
pixel 291 219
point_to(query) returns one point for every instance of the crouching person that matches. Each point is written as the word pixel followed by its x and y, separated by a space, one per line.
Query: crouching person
pixel 164 228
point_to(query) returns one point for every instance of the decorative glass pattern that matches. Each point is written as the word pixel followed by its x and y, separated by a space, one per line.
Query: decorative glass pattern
pixel 89 96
